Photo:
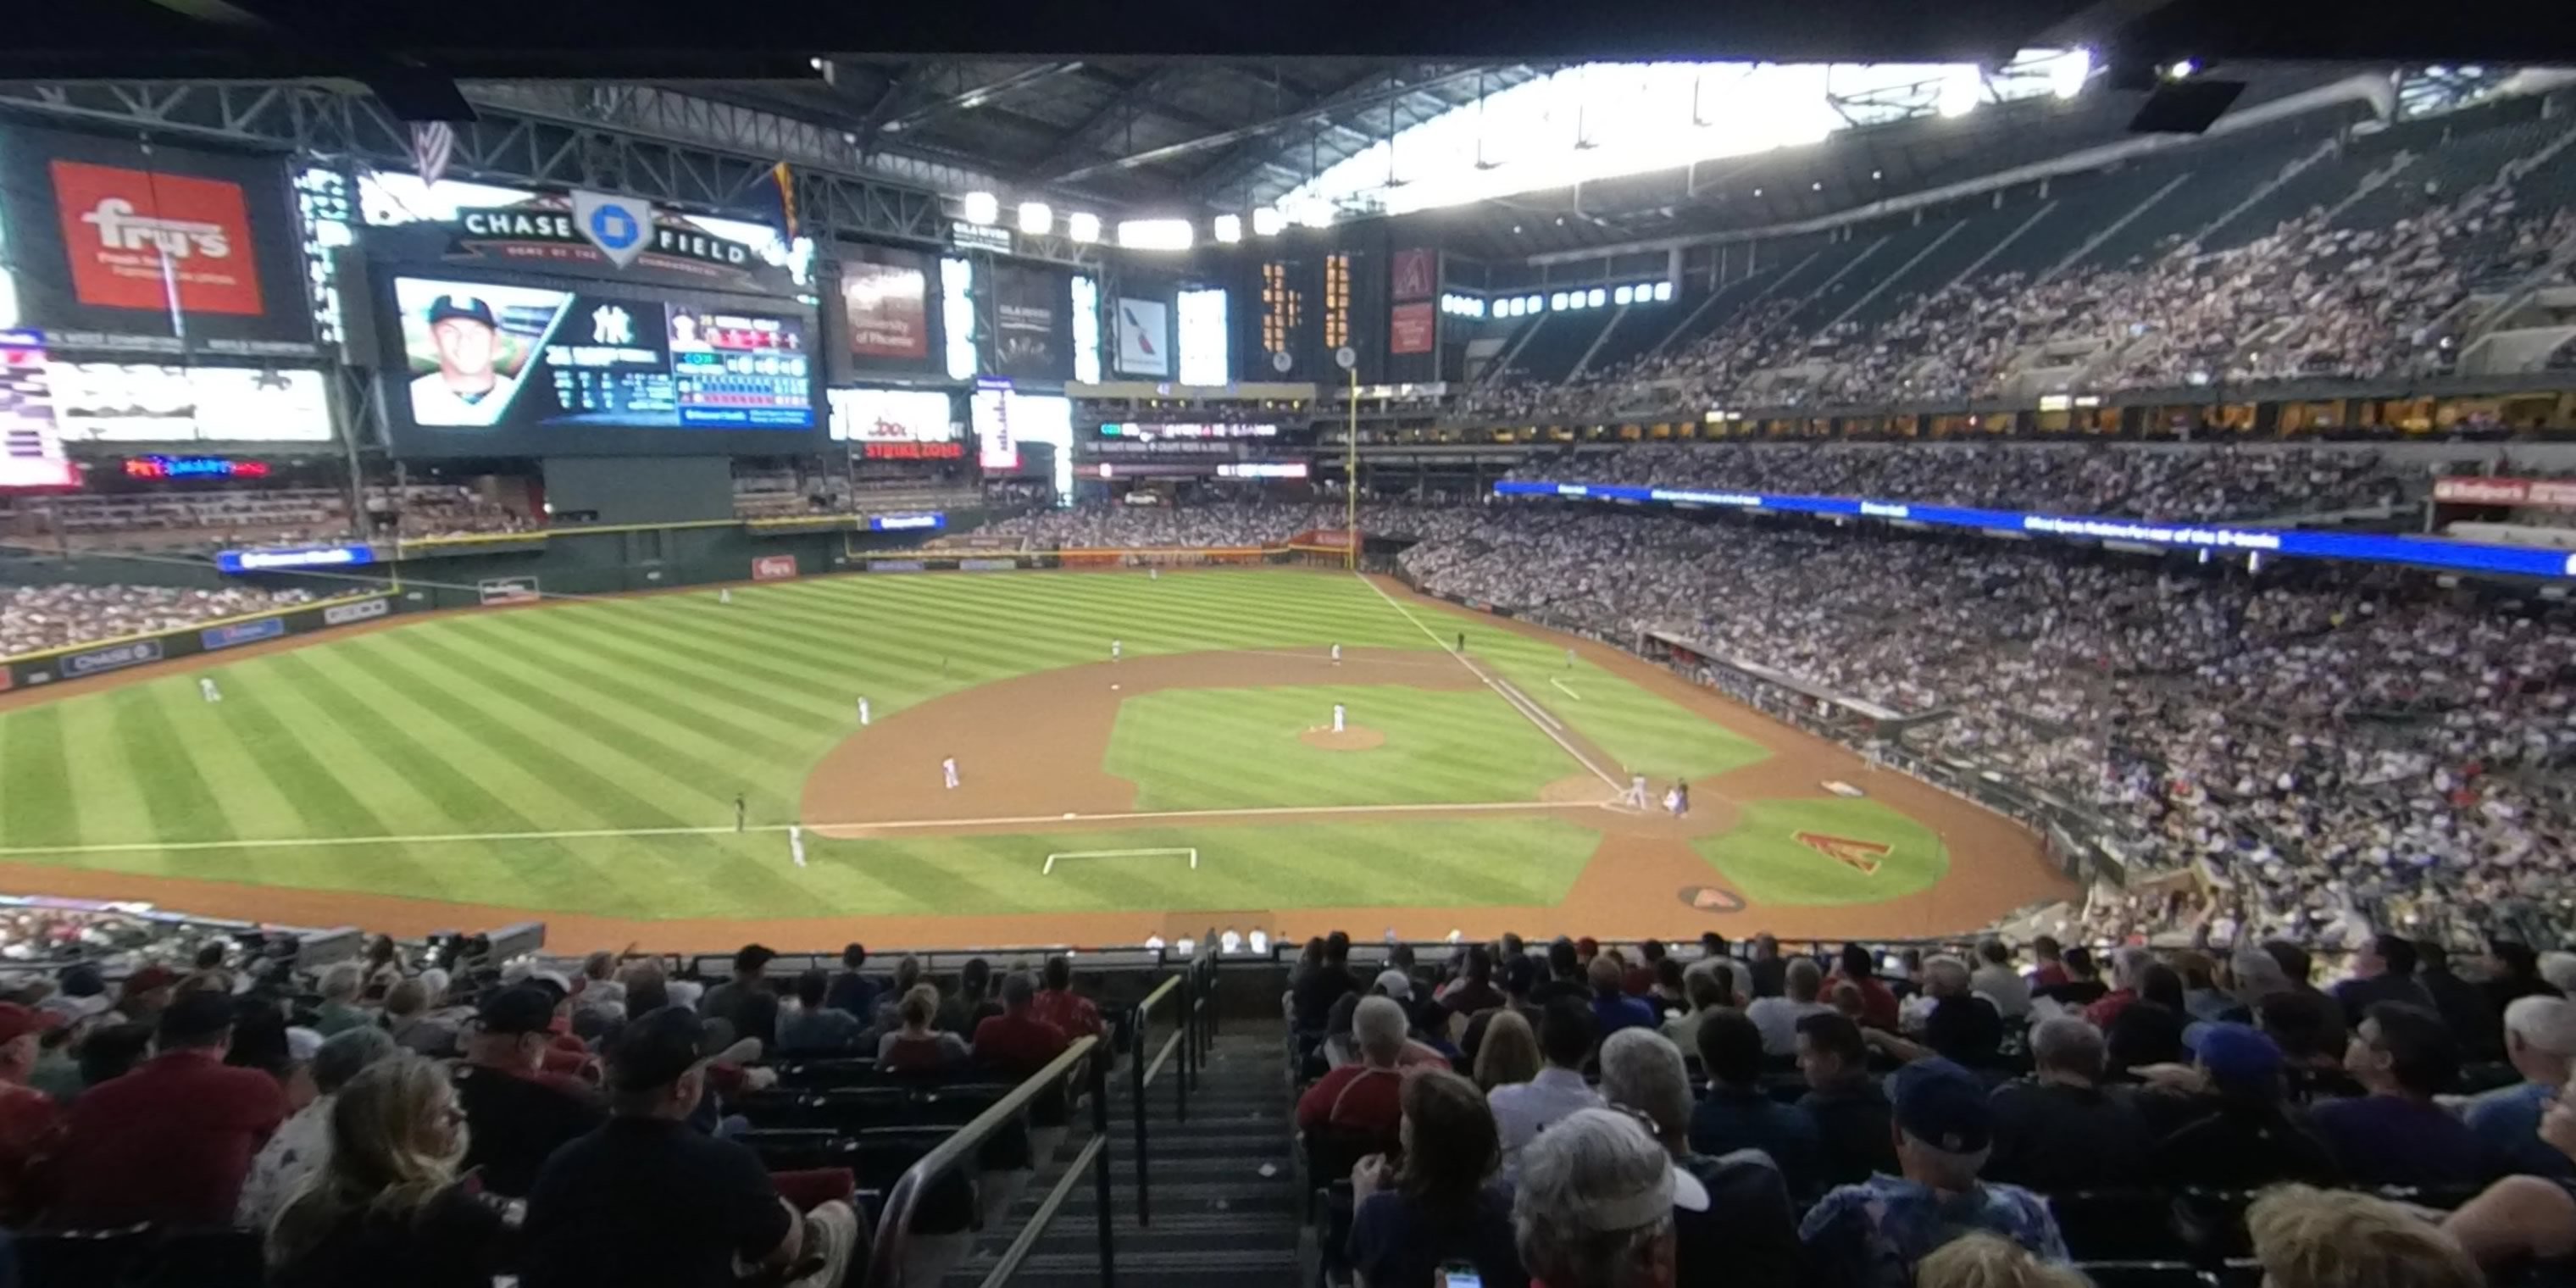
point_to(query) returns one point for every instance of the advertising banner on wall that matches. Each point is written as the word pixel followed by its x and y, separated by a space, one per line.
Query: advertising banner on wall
pixel 1032 330
pixel 149 402
pixel 31 448
pixel 1413 275
pixel 891 415
pixel 169 250
pixel 885 302
pixel 773 567
pixel 1411 328
pixel 1144 337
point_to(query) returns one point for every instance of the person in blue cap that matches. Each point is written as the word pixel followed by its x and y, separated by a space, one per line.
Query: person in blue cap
pixel 2223 1120
pixel 1871 1235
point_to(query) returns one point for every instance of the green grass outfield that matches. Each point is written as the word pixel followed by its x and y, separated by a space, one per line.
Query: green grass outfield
pixel 636 715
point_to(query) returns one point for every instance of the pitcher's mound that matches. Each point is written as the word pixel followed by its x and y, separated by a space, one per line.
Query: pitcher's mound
pixel 1351 738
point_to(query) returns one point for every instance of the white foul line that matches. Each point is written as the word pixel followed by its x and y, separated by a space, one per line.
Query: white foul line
pixel 1560 685
pixel 888 825
pixel 1472 669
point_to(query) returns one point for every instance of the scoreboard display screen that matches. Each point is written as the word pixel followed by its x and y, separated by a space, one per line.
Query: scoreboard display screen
pixel 507 369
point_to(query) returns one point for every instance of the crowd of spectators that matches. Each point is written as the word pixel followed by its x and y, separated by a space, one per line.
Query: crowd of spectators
pixel 2309 299
pixel 1220 524
pixel 386 1121
pixel 2197 484
pixel 2316 742
pixel 33 618
pixel 1928 1123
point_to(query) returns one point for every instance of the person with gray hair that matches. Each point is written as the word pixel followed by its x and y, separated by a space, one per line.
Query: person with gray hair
pixel 1363 1099
pixel 1746 1232
pixel 2540 1041
pixel 302 1144
pixel 1017 1040
pixel 1800 981
pixel 2060 1129
pixel 1872 1235
pixel 1594 1208
pixel 2128 970
pixel 1997 981
pixel 339 1011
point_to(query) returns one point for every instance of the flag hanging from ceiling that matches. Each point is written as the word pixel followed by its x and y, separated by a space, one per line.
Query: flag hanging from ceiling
pixel 433 146
pixel 776 192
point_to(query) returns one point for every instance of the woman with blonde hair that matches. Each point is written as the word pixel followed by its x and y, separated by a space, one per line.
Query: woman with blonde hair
pixel 1509 1053
pixel 1979 1259
pixel 918 1047
pixel 388 1208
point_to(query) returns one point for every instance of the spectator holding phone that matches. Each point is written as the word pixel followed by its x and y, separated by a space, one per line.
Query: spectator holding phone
pixel 1438 1203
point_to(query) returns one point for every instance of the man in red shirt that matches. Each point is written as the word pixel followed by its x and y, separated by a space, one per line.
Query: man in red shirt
pixel 1017 1040
pixel 171 1141
pixel 1059 1005
pixel 2128 965
pixel 1364 1099
pixel 1877 1005
pixel 31 1124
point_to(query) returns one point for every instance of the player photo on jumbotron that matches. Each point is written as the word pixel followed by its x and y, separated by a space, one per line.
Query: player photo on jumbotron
pixel 469 346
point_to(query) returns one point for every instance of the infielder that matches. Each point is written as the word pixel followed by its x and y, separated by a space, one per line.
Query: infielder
pixel 796 844
pixel 863 713
pixel 1116 647
pixel 1337 655
pixel 206 689
pixel 1337 717
pixel 948 770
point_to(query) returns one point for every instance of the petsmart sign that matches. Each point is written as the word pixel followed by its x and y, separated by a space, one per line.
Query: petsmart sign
pixel 290 557
pixel 266 628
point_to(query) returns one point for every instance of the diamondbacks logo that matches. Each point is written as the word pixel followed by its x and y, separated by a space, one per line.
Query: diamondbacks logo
pixel 137 239
pixel 1862 856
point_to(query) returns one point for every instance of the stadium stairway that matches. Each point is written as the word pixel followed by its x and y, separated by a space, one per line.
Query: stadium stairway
pixel 1221 1185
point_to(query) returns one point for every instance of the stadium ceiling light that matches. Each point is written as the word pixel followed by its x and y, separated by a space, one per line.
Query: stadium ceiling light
pixel 1533 304
pixel 981 208
pixel 1268 221
pixel 1229 229
pixel 1156 234
pixel 2181 69
pixel 2068 72
pixel 1082 226
pixel 1037 218
pixel 1663 291
pixel 1623 296
pixel 1960 91
pixel 1599 297
pixel 1556 300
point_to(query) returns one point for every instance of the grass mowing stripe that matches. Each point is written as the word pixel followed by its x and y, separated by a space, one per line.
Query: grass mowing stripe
pixel 554 869
pixel 313 790
pixel 697 784
pixel 907 869
pixel 668 706
pixel 610 643
pixel 173 791
pixel 102 778
pixel 41 807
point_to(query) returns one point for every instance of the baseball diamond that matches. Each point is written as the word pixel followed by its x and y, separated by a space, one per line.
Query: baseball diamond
pixel 578 762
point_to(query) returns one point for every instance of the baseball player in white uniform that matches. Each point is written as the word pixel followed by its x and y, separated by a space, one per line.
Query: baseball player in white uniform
pixel 948 770
pixel 1637 790
pixel 469 389
pixel 863 713
pixel 206 689
pixel 1337 717
pixel 724 595
pixel 796 844
pixel 1337 655
pixel 1116 647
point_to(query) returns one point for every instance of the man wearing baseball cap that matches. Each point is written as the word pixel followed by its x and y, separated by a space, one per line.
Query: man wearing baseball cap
pixel 1875 1232
pixel 469 388
pixel 647 1201
pixel 171 1141
pixel 2223 1122
pixel 516 1113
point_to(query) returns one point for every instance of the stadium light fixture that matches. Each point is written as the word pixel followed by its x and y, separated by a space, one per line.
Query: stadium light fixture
pixel 1623 296
pixel 1533 304
pixel 1960 91
pixel 1599 297
pixel 2067 74
pixel 1268 221
pixel 1082 226
pixel 1556 300
pixel 980 208
pixel 1663 292
pixel 1229 229
pixel 2181 69
pixel 1037 218
pixel 1156 234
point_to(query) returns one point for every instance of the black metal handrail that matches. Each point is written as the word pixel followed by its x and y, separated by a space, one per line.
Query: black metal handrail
pixel 894 1227
pixel 1143 1070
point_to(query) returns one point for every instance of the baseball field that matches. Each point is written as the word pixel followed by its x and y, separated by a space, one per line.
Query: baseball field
pixel 690 773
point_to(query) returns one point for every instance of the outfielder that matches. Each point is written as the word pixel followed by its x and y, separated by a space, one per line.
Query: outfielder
pixel 796 844
pixel 738 811
pixel 1116 647
pixel 863 713
pixel 948 770
pixel 724 594
pixel 206 689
